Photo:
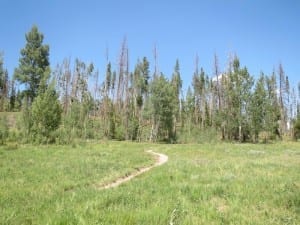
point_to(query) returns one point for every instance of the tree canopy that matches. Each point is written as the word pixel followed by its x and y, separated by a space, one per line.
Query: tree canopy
pixel 126 104
pixel 34 66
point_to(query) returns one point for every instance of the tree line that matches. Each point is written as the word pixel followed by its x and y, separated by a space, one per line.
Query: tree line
pixel 72 101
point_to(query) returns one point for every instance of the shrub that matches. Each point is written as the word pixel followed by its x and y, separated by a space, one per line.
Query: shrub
pixel 120 132
pixel 264 137
pixel 3 130
pixel 46 116
pixel 297 129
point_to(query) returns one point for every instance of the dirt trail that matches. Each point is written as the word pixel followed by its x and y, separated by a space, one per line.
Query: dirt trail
pixel 160 159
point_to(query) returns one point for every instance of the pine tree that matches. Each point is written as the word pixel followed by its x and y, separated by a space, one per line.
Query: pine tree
pixel 139 93
pixel 163 109
pixel 238 91
pixel 272 107
pixel 46 116
pixel 198 85
pixel 283 93
pixel 177 85
pixel 146 76
pixel 258 108
pixel 189 109
pixel 33 70
pixel 106 104
pixel 3 86
pixel 13 104
pixel 4 130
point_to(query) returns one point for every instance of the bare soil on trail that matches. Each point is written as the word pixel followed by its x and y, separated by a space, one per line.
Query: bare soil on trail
pixel 160 160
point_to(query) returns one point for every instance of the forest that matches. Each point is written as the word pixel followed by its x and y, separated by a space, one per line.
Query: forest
pixel 41 103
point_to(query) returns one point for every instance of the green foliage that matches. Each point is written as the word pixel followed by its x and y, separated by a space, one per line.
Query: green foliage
pixel 72 124
pixel 132 105
pixel 272 107
pixel 163 101
pixel 297 129
pixel 112 125
pixel 264 137
pixel 192 134
pixel 76 120
pixel 258 107
pixel 120 133
pixel 133 128
pixel 202 88
pixel 4 130
pixel 141 81
pixel 108 81
pixel 263 110
pixel 34 69
pixel 4 86
pixel 236 112
pixel 46 116
pixel 176 81
pixel 25 122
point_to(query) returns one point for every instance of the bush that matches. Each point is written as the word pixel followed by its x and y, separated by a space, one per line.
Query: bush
pixel 46 116
pixel 63 136
pixel 120 132
pixel 297 129
pixel 198 136
pixel 3 130
pixel 264 137
pixel 14 135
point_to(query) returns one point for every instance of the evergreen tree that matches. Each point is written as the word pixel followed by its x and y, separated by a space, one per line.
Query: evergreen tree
pixel 13 104
pixel 46 115
pixel 177 85
pixel 283 92
pixel 272 107
pixel 202 91
pixel 164 108
pixel 238 90
pixel 3 86
pixel 188 111
pixel 145 74
pixel 140 94
pixel 141 82
pixel 258 108
pixel 33 70
pixel 106 106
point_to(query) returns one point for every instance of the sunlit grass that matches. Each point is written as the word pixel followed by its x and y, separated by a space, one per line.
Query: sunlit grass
pixel 200 184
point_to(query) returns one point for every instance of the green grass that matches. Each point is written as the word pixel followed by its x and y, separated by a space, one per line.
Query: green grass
pixel 200 184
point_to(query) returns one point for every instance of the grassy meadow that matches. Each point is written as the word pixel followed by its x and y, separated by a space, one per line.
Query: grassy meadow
pixel 200 184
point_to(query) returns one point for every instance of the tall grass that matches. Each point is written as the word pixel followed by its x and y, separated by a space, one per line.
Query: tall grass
pixel 36 182
pixel 200 184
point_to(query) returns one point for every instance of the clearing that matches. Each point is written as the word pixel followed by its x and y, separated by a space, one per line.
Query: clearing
pixel 200 184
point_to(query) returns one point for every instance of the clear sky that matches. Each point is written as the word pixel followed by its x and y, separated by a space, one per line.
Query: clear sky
pixel 263 33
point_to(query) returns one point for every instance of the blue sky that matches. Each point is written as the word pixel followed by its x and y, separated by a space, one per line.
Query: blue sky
pixel 262 33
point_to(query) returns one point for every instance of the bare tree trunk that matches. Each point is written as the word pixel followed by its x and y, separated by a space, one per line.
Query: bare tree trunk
pixel 127 95
pixel 217 73
pixel 96 92
pixel 155 54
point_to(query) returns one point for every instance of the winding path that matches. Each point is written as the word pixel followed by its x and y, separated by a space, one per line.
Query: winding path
pixel 160 159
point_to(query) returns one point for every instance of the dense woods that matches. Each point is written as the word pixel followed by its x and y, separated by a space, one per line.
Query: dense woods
pixel 72 100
